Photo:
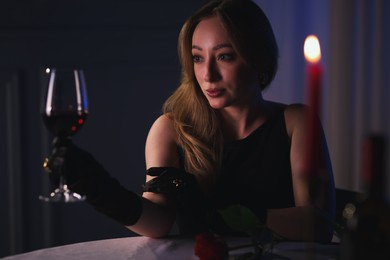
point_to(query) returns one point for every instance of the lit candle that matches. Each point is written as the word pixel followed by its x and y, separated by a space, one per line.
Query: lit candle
pixel 312 53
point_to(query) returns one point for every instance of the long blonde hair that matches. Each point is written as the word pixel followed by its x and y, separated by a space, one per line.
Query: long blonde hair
pixel 197 124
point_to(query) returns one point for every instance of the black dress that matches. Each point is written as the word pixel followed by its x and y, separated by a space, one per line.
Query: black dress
pixel 255 173
pixel 256 170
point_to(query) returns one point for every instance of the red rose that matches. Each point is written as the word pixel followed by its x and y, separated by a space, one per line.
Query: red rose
pixel 210 246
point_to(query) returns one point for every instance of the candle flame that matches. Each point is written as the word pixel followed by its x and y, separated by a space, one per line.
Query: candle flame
pixel 312 49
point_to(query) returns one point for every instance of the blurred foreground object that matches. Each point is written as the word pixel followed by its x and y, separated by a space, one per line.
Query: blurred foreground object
pixel 367 235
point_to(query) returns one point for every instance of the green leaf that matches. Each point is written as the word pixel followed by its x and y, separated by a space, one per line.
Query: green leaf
pixel 241 219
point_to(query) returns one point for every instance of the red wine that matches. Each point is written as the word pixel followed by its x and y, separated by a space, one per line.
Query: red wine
pixel 64 124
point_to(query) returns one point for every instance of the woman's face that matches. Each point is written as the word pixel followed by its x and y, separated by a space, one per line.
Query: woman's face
pixel 222 74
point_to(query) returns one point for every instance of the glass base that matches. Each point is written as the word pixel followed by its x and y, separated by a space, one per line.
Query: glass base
pixel 63 194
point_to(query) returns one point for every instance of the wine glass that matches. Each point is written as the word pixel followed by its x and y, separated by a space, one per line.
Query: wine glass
pixel 64 112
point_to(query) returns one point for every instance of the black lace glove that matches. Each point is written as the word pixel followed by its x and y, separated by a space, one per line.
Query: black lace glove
pixel 195 213
pixel 84 175
pixel 193 210
pixel 171 180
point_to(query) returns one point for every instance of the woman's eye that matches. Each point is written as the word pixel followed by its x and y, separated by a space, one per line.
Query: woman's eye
pixel 196 59
pixel 225 57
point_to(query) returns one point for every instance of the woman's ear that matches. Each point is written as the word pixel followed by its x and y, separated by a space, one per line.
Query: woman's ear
pixel 263 79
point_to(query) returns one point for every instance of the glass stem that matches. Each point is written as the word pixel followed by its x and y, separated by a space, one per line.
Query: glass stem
pixel 62 183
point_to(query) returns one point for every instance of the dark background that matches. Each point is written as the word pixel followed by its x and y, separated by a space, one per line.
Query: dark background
pixel 128 50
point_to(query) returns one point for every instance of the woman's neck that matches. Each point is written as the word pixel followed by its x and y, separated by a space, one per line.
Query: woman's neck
pixel 240 121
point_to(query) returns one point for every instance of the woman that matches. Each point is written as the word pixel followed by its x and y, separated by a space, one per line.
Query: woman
pixel 219 143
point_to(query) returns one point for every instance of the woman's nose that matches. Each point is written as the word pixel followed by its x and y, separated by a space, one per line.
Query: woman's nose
pixel 211 72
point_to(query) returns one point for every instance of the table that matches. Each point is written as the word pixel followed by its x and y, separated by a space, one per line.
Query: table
pixel 144 248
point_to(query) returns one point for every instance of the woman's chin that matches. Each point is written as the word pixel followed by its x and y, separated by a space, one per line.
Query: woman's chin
pixel 217 104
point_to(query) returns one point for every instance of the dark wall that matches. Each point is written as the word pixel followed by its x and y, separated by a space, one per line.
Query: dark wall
pixel 128 50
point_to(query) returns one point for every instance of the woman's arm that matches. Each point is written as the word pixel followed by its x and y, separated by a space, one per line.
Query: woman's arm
pixel 312 218
pixel 158 214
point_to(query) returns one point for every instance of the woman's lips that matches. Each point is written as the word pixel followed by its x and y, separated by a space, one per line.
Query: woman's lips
pixel 214 92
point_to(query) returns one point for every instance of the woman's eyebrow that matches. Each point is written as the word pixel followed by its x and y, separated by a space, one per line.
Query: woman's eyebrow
pixel 221 46
pixel 196 47
pixel 217 47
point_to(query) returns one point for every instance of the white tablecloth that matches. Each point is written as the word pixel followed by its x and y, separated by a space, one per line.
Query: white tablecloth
pixel 144 248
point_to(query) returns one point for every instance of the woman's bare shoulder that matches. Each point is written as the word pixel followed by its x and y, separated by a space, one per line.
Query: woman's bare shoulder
pixel 161 143
pixel 296 109
pixel 163 124
pixel 293 113
pixel 295 117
